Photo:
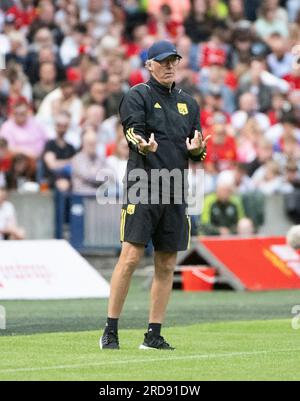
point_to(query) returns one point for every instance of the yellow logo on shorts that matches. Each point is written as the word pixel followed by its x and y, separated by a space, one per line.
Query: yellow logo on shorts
pixel 182 108
pixel 130 209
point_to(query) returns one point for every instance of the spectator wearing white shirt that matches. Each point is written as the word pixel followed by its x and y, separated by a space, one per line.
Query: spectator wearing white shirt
pixel 268 178
pixel 9 228
pixel 288 149
pixel 262 83
pixel 98 13
pixel 109 129
pixel 252 81
pixel 280 12
pixel 280 61
pixel 293 8
pixel 247 141
pixel 269 23
pixel 249 109
pixel 62 99
pixel 292 176
pixel 70 48
pixel 93 119
pixel 118 162
pixel 287 125
pixel 86 165
pixel 239 178
pixel 8 27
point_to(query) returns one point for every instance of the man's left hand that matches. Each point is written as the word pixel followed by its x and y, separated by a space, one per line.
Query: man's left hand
pixel 196 145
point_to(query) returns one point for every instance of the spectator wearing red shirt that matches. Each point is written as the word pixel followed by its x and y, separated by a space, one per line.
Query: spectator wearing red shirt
pixel 214 51
pixel 279 106
pixel 213 104
pixel 25 13
pixel 166 25
pixel 221 149
pixel 293 78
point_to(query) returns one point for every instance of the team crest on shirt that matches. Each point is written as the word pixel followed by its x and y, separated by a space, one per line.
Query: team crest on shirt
pixel 182 108
pixel 130 209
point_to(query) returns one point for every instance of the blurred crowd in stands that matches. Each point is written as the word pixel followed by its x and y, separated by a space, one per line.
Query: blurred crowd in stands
pixel 69 62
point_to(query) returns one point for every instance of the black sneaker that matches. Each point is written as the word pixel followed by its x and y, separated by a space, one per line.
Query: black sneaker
pixel 109 340
pixel 155 342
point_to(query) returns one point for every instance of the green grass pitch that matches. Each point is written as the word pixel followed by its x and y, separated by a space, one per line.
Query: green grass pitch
pixel 218 336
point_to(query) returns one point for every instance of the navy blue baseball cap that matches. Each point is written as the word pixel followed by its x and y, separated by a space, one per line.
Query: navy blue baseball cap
pixel 161 50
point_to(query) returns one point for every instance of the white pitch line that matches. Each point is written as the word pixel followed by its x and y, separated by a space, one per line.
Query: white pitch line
pixel 137 361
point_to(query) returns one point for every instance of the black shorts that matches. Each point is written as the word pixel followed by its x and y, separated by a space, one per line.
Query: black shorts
pixel 168 226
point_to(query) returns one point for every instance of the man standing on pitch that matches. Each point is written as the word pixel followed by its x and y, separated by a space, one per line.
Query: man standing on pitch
pixel 162 126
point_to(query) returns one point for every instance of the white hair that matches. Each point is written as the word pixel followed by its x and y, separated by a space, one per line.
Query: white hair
pixel 148 63
pixel 293 237
pixel 226 179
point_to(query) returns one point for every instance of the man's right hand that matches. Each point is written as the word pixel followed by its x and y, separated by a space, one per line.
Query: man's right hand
pixel 145 146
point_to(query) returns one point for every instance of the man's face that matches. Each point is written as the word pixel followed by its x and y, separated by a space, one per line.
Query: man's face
pixel 122 149
pixel 46 55
pixel 98 92
pixel 248 102
pixel 68 92
pixel 47 12
pixel 90 145
pixel 94 116
pixel 114 84
pixel 165 71
pixel 95 5
pixel 47 72
pixel 62 126
pixel 219 133
pixel 21 114
pixel 224 193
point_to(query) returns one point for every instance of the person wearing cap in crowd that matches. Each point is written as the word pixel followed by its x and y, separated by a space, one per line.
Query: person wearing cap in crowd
pixel 162 127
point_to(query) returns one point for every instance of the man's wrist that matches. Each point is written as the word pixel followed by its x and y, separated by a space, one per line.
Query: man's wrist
pixel 198 155
pixel 198 152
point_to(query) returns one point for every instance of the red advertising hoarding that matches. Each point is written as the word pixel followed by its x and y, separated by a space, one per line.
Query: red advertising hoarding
pixel 260 263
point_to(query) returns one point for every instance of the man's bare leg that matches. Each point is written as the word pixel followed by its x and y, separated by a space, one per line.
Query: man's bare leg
pixel 162 284
pixel 130 257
